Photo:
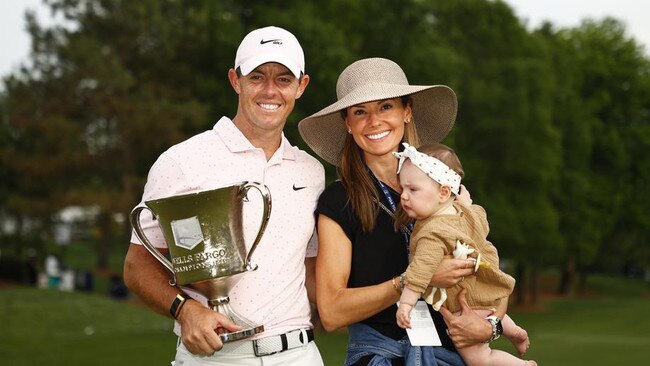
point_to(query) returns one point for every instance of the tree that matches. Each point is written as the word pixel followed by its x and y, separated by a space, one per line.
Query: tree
pixel 547 120
pixel 503 133
pixel 97 96
pixel 602 93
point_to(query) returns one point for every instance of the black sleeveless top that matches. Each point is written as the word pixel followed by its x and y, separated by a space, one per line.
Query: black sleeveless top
pixel 377 256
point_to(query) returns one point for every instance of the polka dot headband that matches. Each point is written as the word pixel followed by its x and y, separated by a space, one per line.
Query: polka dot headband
pixel 434 168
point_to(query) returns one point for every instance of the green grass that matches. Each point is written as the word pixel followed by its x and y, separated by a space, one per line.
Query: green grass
pixel 594 331
pixel 46 327
pixel 332 347
pixel 610 326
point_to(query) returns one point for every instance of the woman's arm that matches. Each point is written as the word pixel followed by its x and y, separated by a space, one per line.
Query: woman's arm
pixel 339 305
pixel 310 278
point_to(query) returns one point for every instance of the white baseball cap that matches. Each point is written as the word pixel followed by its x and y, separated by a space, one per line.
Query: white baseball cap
pixel 270 44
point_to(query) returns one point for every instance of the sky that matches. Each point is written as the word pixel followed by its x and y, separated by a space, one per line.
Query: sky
pixel 569 13
pixel 15 42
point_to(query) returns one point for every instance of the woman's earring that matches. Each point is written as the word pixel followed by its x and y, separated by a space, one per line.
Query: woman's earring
pixel 408 120
pixel 349 130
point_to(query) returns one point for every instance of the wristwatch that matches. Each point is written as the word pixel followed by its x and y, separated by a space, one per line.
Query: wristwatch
pixel 177 304
pixel 497 328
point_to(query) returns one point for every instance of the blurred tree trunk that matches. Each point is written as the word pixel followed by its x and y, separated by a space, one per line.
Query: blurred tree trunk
pixel 104 241
pixel 565 286
pixel 534 285
pixel 520 275
pixel 582 281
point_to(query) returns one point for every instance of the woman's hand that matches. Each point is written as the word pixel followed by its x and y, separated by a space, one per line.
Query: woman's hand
pixel 466 328
pixel 451 271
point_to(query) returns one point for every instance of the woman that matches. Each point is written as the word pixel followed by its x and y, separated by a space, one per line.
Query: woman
pixel 361 258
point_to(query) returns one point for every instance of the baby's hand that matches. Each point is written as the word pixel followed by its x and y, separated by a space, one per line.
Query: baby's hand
pixel 464 198
pixel 404 315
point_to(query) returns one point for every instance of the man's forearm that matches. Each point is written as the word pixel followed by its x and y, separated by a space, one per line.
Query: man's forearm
pixel 148 279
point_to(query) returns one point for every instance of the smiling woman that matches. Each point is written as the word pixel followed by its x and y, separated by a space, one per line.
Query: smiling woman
pixel 377 127
pixel 360 255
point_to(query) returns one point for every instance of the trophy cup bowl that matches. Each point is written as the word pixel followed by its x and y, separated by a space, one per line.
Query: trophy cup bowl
pixel 204 234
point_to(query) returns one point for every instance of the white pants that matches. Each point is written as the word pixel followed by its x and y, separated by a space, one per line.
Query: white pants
pixel 307 355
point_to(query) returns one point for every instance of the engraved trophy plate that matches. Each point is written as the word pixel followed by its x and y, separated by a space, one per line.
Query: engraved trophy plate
pixel 187 232
pixel 204 233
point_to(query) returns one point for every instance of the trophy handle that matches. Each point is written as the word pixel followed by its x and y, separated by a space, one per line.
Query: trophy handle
pixel 266 195
pixel 135 222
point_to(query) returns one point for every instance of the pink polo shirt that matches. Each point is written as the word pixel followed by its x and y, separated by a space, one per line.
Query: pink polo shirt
pixel 274 295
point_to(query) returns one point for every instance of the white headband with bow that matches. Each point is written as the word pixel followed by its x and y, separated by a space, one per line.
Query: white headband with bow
pixel 434 168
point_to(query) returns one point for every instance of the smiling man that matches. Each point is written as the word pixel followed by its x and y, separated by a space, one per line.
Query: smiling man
pixel 268 76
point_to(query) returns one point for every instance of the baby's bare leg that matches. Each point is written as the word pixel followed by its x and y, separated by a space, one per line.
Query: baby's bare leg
pixel 481 354
pixel 516 334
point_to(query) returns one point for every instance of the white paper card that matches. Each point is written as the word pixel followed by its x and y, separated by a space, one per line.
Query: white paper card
pixel 423 331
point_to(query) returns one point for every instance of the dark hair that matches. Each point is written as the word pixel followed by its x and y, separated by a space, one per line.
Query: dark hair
pixel 406 100
pixel 362 193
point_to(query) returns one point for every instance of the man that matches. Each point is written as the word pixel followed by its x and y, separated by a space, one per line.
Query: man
pixel 268 75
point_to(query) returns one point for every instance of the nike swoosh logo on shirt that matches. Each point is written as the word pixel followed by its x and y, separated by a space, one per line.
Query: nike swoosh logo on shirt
pixel 298 188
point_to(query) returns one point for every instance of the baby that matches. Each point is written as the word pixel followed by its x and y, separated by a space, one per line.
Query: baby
pixel 430 180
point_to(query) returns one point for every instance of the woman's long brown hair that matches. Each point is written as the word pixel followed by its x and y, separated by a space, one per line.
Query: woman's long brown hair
pixel 362 193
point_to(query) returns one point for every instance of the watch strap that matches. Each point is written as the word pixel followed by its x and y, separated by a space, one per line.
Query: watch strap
pixel 497 328
pixel 177 304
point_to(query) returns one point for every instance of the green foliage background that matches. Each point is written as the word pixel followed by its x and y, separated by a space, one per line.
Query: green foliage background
pixel 552 126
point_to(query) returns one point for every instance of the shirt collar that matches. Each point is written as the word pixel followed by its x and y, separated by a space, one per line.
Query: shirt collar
pixel 236 142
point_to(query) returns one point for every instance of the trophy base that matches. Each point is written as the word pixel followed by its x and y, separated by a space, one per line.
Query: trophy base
pixel 236 336
pixel 222 305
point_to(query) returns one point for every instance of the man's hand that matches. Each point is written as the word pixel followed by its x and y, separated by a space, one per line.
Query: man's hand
pixel 199 326
pixel 466 328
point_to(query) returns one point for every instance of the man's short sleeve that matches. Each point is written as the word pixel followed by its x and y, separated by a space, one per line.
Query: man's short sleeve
pixel 165 179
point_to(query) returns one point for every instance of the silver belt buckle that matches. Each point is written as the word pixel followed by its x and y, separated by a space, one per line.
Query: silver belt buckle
pixel 256 350
pixel 259 353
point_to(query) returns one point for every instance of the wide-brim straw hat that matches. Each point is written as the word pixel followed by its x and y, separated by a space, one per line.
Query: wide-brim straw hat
pixel 367 80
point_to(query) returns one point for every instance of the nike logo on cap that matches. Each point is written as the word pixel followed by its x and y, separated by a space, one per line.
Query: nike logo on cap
pixel 278 41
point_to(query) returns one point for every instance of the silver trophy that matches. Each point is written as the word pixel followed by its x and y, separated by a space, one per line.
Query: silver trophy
pixel 204 233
